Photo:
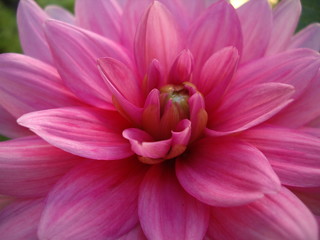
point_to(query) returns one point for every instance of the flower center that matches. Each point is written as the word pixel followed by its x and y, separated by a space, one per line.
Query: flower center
pixel 175 97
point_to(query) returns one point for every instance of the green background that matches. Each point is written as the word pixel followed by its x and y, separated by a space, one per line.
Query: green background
pixel 9 41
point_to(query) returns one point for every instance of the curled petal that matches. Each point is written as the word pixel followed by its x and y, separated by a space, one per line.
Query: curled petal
pixel 280 216
pixel 223 172
pixel 86 132
pixel 144 145
pixel 153 151
pixel 166 211
pixel 157 28
pixel 96 200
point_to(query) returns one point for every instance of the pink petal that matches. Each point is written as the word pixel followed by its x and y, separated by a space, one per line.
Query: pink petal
pixel 166 211
pixel 186 11
pixel 96 200
pixel 59 13
pixel 216 28
pixel 295 67
pixel 151 113
pixel 294 156
pixel 123 84
pixel 226 172
pixel 256 23
pixel 30 18
pixel 198 115
pixel 154 78
pixel 27 85
pixel 20 220
pixel 308 37
pixel 156 28
pixel 285 19
pixel 134 234
pixel 303 110
pixel 9 126
pixel 182 68
pixel 5 201
pixel 309 196
pixel 247 108
pixel 29 167
pixel 279 216
pixel 216 75
pixel 75 53
pixel 144 145
pixel 85 132
pixel 132 13
pixel 102 17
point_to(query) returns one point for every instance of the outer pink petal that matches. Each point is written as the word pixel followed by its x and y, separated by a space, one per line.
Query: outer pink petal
pixel 59 13
pixel 166 211
pixel 157 37
pixel 102 17
pixel 85 132
pixel 9 126
pixel 216 28
pixel 27 85
pixel 20 220
pixel 29 166
pixel 249 107
pixel 279 216
pixel 294 156
pixel 303 110
pixel 308 37
pixel 226 173
pixel 296 67
pixel 96 200
pixel 30 18
pixel 285 19
pixel 132 13
pixel 216 75
pixel 75 53
pixel 135 233
pixel 256 23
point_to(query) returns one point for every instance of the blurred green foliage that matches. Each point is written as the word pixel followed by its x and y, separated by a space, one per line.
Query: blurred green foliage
pixel 9 40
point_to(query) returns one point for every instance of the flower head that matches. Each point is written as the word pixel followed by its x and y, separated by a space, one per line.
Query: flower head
pixel 161 120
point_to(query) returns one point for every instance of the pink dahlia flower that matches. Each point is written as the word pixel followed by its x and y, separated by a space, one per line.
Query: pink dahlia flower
pixel 161 120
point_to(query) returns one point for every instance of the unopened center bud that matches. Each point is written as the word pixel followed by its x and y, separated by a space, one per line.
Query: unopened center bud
pixel 175 96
